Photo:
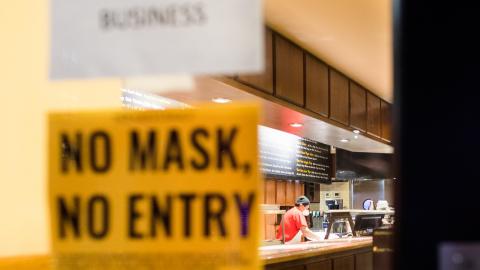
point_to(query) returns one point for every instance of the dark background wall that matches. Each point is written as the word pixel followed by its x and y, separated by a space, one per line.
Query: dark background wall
pixel 438 127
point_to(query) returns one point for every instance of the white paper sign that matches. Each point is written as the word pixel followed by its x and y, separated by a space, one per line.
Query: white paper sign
pixel 104 38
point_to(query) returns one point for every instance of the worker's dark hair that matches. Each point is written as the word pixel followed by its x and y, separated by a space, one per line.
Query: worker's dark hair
pixel 302 200
pixel 304 204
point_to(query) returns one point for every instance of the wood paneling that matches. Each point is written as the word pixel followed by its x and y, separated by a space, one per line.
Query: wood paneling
pixel 300 81
pixel 358 107
pixel 373 115
pixel 364 261
pixel 270 228
pixel 324 265
pixel 339 97
pixel 344 263
pixel 296 267
pixel 263 81
pixel 316 83
pixel 288 71
pixel 316 196
pixel 290 193
pixel 270 193
pixel 281 192
pixel 386 116
pixel 299 189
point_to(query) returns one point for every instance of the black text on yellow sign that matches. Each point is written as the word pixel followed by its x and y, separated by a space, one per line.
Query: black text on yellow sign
pixel 156 181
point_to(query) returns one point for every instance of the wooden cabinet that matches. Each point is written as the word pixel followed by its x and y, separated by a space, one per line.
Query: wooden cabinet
pixel 263 81
pixel 299 189
pixel 316 85
pixel 270 227
pixel 270 220
pixel 312 87
pixel 344 263
pixel 373 115
pixel 364 261
pixel 270 191
pixel 288 71
pixel 386 116
pixel 358 107
pixel 347 259
pixel 281 192
pixel 290 193
pixel 296 267
pixel 339 97
pixel 324 265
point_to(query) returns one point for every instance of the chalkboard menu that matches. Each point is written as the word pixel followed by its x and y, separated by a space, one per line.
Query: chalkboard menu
pixel 287 156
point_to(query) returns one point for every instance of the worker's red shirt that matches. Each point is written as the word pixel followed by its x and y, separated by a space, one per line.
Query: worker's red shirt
pixel 294 220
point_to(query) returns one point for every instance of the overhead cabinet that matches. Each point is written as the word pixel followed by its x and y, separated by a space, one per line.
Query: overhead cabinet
pixel 339 97
pixel 263 81
pixel 358 107
pixel 316 85
pixel 386 115
pixel 288 71
pixel 299 80
pixel 373 115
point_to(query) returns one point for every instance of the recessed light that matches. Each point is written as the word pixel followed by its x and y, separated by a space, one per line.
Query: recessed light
pixel 221 100
pixel 344 140
pixel 296 125
pixel 356 131
pixel 355 137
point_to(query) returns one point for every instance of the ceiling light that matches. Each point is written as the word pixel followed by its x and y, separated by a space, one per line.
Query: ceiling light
pixel 344 140
pixel 355 137
pixel 221 100
pixel 356 131
pixel 296 125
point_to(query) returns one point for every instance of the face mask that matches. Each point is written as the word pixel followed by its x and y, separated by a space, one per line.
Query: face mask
pixel 306 212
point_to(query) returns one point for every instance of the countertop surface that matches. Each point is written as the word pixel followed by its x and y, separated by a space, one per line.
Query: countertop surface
pixel 268 254
pixel 360 211
pixel 281 253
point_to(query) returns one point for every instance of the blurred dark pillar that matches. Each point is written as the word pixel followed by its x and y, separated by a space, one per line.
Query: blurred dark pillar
pixel 437 103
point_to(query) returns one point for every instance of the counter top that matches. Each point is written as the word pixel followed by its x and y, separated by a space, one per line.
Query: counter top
pixel 288 252
pixel 268 254
pixel 361 211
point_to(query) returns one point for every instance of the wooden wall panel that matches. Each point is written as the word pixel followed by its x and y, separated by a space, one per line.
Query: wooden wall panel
pixel 364 261
pixel 339 101
pixel 386 116
pixel 324 265
pixel 290 193
pixel 373 115
pixel 270 191
pixel 281 192
pixel 316 197
pixel 270 228
pixel 358 107
pixel 316 83
pixel 263 81
pixel 288 71
pixel 299 189
pixel 305 82
pixel 344 263
pixel 296 267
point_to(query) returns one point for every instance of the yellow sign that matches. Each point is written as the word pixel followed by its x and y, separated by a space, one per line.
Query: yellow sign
pixel 175 189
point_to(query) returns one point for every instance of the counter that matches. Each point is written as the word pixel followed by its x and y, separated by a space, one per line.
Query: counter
pixel 339 254
pixel 333 254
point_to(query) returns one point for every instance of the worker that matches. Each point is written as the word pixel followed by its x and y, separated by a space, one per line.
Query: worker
pixel 294 220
